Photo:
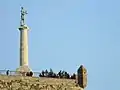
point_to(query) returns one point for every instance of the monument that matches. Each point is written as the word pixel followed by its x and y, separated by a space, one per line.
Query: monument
pixel 24 67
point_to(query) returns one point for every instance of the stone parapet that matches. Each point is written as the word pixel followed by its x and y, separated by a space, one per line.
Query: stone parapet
pixel 33 83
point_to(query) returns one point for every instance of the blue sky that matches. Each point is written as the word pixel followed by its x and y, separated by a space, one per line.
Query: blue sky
pixel 63 35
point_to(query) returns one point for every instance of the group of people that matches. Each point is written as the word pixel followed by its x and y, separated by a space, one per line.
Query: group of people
pixel 51 74
pixel 23 73
pixel 60 74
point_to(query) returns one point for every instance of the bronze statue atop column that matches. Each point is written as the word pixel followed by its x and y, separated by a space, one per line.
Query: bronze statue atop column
pixel 23 13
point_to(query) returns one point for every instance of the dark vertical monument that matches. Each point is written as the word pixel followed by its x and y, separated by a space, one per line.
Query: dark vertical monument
pixel 82 76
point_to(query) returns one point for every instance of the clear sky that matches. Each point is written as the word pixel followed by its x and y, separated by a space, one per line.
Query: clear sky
pixel 63 35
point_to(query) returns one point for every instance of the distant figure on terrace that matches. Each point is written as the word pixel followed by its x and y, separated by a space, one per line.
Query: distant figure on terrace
pixel 7 72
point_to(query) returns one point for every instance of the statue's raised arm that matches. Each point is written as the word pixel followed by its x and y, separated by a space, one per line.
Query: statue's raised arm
pixel 23 13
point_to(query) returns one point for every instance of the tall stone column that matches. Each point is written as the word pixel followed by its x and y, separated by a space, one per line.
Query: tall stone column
pixel 23 44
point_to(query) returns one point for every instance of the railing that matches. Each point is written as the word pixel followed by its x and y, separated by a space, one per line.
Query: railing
pixel 34 74
pixel 16 73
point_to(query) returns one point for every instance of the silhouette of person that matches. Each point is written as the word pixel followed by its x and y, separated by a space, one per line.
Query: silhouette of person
pixel 7 72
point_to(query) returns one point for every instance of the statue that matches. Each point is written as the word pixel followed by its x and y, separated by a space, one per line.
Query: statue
pixel 23 13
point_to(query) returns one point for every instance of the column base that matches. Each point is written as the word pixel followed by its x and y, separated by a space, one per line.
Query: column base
pixel 23 68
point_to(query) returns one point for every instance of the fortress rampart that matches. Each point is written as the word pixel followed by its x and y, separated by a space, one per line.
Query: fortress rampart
pixel 36 83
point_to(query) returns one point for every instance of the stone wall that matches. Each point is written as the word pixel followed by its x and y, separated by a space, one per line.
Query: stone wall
pixel 34 83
